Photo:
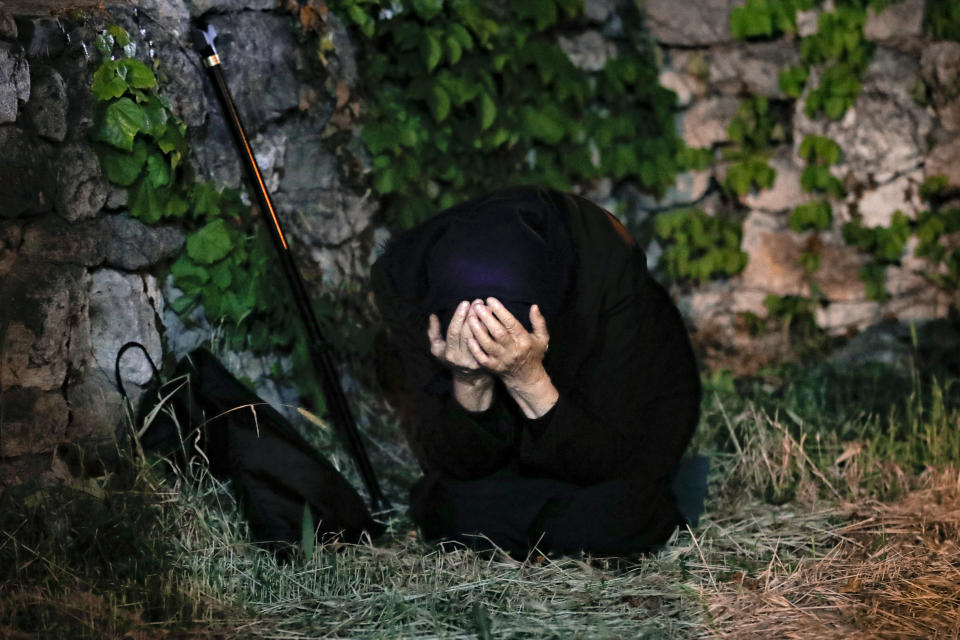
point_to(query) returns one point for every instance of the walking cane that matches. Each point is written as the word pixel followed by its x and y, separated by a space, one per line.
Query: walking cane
pixel 319 347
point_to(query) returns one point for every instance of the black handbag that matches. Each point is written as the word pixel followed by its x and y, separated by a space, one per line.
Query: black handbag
pixel 279 479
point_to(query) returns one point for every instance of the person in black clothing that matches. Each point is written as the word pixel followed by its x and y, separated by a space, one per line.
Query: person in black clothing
pixel 549 382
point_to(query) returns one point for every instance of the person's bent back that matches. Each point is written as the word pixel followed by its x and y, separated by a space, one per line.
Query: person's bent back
pixel 550 380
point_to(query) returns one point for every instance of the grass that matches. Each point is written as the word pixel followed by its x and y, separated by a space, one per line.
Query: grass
pixel 820 478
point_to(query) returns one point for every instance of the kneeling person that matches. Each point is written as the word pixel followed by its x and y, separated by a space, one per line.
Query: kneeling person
pixel 550 382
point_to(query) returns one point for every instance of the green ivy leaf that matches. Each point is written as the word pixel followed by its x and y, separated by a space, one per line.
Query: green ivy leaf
pixel 145 203
pixel 385 181
pixel 184 303
pixel 210 243
pixel 176 207
pixel 154 118
pixel 835 107
pixel 542 13
pixel 462 35
pixel 488 111
pixel 753 20
pixel 361 19
pixel 874 276
pixel 427 9
pixel 122 120
pixel 138 75
pixel 544 124
pixel 158 171
pixel 811 216
pixel 221 276
pixel 793 80
pixel 123 167
pixel 439 101
pixel 205 200
pixel 172 139
pixel 104 44
pixel 119 34
pixel 187 274
pixel 107 83
pixel 430 51
pixel 454 50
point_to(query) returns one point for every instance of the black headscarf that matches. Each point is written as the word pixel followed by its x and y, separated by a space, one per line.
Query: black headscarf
pixel 511 244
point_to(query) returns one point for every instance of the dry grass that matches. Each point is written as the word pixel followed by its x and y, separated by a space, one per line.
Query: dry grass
pixel 894 573
pixel 795 544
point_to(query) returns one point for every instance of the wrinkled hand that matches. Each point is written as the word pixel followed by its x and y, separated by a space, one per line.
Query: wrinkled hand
pixel 500 344
pixel 454 350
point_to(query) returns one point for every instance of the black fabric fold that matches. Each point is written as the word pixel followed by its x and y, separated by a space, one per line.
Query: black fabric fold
pixel 619 356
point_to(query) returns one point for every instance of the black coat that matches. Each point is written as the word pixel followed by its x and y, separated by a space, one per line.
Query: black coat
pixel 619 356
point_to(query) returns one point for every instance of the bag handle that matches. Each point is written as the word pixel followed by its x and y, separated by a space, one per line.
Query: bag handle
pixel 116 366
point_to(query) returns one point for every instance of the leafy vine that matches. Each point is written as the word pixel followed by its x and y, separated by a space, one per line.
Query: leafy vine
pixel 466 97
pixel 225 266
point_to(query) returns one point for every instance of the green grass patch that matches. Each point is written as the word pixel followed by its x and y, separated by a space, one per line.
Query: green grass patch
pixel 141 554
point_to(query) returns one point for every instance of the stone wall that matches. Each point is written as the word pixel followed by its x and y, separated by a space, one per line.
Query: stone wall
pixel 889 144
pixel 78 277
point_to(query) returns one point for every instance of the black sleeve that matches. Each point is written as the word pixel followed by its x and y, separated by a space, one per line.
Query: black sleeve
pixel 637 400
pixel 450 439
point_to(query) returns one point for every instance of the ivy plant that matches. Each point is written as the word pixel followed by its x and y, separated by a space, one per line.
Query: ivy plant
pixel 820 153
pixel 841 50
pixel 466 96
pixel 699 247
pixel 766 18
pixel 933 227
pixel 752 130
pixel 884 244
pixel 226 264
pixel 942 19
pixel 811 216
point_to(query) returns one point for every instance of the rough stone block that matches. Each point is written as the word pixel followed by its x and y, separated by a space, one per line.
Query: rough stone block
pixel 11 234
pixel 877 206
pixel 334 217
pixel 123 308
pixel 751 68
pixel 689 187
pixel 786 192
pixel 24 173
pixel 81 192
pixel 944 160
pixel 902 19
pixel 53 240
pixel 690 23
pixel 200 7
pixel 47 110
pixel 588 50
pixel 34 421
pixel 885 132
pixel 808 22
pixel 686 86
pixel 599 10
pixel 258 64
pixel 841 317
pixel 131 245
pixel 96 409
pixel 14 83
pixel 705 123
pixel 773 256
pixel 8 26
pixel 742 301
pixel 42 37
pixel 44 469
pixel 42 302
pixel 839 273
pixel 185 88
pixel 940 64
